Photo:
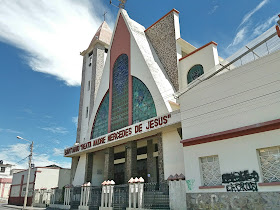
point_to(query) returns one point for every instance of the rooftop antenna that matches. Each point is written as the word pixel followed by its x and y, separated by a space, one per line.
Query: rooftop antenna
pixel 121 4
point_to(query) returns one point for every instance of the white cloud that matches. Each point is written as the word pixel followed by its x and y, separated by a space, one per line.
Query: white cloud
pixel 266 25
pixel 249 14
pixel 75 120
pixel 239 37
pixel 215 7
pixel 58 152
pixel 51 32
pixel 15 154
pixel 55 129
pixel 8 130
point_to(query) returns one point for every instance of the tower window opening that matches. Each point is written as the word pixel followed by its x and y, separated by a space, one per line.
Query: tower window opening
pixel 87 112
pixel 88 85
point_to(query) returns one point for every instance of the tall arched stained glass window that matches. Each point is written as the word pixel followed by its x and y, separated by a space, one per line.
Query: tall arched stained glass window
pixel 143 103
pixel 100 126
pixel 195 72
pixel 119 118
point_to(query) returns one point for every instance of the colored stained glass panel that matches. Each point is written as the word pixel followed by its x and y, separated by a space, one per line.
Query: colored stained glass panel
pixel 143 103
pixel 195 72
pixel 119 118
pixel 100 126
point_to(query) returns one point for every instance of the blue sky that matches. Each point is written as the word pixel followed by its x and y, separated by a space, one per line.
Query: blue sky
pixel 40 74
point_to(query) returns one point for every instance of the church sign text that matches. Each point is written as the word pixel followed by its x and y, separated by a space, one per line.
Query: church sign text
pixel 120 134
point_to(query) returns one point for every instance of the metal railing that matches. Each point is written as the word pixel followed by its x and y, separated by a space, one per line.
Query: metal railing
pixel 120 198
pixel 156 195
pixel 265 44
pixel 58 196
pixel 75 197
pixel 42 197
pixel 95 198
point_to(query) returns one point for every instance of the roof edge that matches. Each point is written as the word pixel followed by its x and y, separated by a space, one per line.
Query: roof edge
pixel 198 49
pixel 173 10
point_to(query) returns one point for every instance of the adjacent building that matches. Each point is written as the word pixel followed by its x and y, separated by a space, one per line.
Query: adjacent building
pixel 5 180
pixel 44 178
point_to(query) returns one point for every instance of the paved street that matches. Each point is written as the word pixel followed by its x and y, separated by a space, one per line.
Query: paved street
pixel 9 207
pixel 3 207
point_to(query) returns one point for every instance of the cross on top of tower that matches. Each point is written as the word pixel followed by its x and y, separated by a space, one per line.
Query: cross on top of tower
pixel 104 15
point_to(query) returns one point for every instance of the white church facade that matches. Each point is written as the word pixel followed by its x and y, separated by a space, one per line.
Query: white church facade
pixel 153 106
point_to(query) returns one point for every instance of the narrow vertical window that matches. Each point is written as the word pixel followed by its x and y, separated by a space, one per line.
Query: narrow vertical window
pixel 87 112
pixel 119 118
pixel 90 58
pixel 88 85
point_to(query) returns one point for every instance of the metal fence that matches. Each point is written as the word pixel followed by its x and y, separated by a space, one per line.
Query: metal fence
pixel 42 197
pixel 58 196
pixel 156 195
pixel 95 198
pixel 75 197
pixel 120 199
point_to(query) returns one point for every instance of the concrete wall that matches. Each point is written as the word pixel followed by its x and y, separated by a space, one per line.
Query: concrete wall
pixel 98 168
pixel 237 98
pixel 244 96
pixel 236 154
pixel 173 158
pixel 64 177
pixel 207 57
pixel 4 190
pixel 79 177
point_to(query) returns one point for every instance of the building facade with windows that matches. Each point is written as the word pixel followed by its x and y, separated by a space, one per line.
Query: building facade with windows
pixel 5 180
pixel 41 178
pixel 230 132
pixel 152 105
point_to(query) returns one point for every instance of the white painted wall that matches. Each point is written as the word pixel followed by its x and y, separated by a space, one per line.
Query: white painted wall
pixel 140 69
pixel 5 188
pixel 103 88
pixel 243 96
pixel 17 176
pixel 173 158
pixel 47 178
pixel 236 154
pixel 207 57
pixel 79 177
pixel 237 98
pixel 86 100
pixel 7 173
pixel 98 168
pixel 64 177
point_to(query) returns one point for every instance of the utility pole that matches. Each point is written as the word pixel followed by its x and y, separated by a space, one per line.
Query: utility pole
pixel 29 169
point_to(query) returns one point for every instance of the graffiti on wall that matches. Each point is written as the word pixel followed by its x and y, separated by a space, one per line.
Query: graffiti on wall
pixel 241 181
pixel 190 183
pixel 235 200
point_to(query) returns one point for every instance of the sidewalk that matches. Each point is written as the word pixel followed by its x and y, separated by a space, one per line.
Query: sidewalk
pixel 21 207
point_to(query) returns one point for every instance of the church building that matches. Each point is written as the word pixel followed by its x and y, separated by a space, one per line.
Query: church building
pixel 152 105
pixel 129 122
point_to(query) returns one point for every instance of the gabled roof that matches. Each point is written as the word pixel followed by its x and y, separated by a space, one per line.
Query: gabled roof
pixel 103 35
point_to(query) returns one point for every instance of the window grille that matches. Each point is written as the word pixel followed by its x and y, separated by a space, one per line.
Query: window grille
pixel 210 169
pixel 270 164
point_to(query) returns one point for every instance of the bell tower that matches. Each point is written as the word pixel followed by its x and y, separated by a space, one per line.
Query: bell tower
pixel 93 63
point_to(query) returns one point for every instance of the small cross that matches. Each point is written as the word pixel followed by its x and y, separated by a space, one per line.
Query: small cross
pixel 104 15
